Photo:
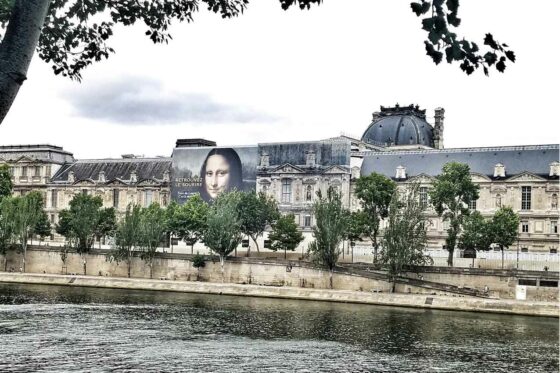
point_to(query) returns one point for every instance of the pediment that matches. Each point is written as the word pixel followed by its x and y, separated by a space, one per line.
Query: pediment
pixel 525 177
pixel 116 182
pixel 335 170
pixel 264 181
pixel 422 179
pixel 309 181
pixel 476 177
pixel 148 182
pixel 25 159
pixel 83 182
pixel 288 169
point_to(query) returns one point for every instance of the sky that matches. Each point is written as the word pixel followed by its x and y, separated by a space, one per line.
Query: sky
pixel 274 76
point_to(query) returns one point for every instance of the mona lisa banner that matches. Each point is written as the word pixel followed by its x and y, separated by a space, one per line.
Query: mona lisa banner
pixel 209 171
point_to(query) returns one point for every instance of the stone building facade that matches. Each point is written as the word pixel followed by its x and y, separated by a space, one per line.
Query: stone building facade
pixel 398 143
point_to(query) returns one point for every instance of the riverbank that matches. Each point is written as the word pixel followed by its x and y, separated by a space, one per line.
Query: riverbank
pixel 471 304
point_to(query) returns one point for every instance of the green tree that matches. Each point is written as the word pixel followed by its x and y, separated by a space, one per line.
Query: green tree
pixel 65 35
pixel 6 184
pixel 285 234
pixel 330 229
pixel 375 192
pixel 173 223
pixel 190 220
pixel 127 236
pixel 223 226
pixel 27 211
pixel 357 226
pixel 504 228
pixel 83 215
pixel 404 239
pixel 256 212
pixel 63 227
pixel 475 233
pixel 6 227
pixel 451 194
pixel 42 227
pixel 151 233
pixel 106 224
pixel 198 262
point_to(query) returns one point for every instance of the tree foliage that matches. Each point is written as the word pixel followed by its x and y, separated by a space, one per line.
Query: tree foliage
pixel 107 223
pixel 405 237
pixel 7 228
pixel 329 231
pixel 451 194
pixel 6 184
pixel 476 232
pixel 152 229
pixel 25 212
pixel 84 216
pixel 188 221
pixel 42 226
pixel 285 234
pixel 223 226
pixel 256 212
pixel 375 192
pixel 127 236
pixel 357 226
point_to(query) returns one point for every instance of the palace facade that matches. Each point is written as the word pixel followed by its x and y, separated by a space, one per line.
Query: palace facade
pixel 398 143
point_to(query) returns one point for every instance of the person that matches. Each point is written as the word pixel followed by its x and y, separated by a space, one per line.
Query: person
pixel 220 172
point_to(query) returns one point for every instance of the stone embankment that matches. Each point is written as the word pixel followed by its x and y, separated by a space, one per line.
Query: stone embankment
pixel 472 304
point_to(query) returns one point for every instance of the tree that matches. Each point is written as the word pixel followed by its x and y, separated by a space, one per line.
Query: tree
pixel 63 227
pixel 173 227
pixel 357 226
pixel 404 239
pixel 285 234
pixel 127 236
pixel 6 184
pixel 504 228
pixel 106 224
pixel 26 212
pixel 375 192
pixel 329 231
pixel 475 233
pixel 151 233
pixel 43 226
pixel 223 226
pixel 189 220
pixel 6 227
pixel 83 220
pixel 256 212
pixel 198 262
pixel 65 35
pixel 451 194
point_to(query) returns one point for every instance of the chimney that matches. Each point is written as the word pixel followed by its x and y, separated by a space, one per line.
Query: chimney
pixel 438 127
pixel 265 160
pixel 133 177
pixel 554 169
pixel 71 177
pixel 401 173
pixel 310 158
pixel 101 177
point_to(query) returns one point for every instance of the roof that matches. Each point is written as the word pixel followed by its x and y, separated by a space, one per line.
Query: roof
pixel 114 169
pixel 535 159
pixel 41 152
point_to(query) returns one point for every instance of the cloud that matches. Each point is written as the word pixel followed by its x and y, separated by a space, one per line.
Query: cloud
pixel 141 101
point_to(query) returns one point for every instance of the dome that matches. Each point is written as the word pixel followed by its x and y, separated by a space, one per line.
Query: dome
pixel 399 126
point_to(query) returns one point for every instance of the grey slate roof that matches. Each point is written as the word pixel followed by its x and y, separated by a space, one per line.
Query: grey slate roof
pixel 115 169
pixel 327 153
pixel 399 130
pixel 535 159
pixel 40 152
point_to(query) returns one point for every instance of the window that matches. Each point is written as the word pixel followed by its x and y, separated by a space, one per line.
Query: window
pixel 85 191
pixel 445 225
pixel 526 198
pixel 37 171
pixel 24 171
pixel 423 197
pixel 472 204
pixel 148 197
pixel 164 199
pixel 498 200
pixel 525 227
pixel 554 226
pixel 524 250
pixel 52 218
pixel 308 193
pixel 527 282
pixel 11 169
pixel 307 221
pixel 54 198
pixel 554 251
pixel 286 191
pixel 115 198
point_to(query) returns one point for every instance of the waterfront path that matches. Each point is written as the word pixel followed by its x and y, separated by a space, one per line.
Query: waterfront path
pixel 458 303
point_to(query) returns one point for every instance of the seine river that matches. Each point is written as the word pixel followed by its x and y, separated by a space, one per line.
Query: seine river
pixel 64 329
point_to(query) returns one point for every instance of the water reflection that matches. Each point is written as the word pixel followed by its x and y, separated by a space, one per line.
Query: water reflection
pixel 60 329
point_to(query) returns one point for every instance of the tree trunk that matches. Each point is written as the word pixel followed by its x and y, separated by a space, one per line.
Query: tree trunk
pixel 17 48
pixel 85 264
pixel 331 278
pixel 256 244
pixel 285 256
pixel 24 246
pixel 222 259
pixel 128 264
pixel 394 286
pixel 501 247
pixel 151 270
pixel 192 249
pixel 450 257
pixel 5 262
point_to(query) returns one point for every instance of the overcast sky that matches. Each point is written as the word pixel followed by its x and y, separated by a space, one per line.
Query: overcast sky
pixel 271 75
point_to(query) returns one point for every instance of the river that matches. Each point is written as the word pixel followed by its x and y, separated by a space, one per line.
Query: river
pixel 70 329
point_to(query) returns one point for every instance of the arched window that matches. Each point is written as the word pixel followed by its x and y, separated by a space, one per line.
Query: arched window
pixel 554 201
pixel 498 200
pixel 308 193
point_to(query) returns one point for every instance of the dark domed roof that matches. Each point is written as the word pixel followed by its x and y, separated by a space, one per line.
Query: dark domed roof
pixel 399 126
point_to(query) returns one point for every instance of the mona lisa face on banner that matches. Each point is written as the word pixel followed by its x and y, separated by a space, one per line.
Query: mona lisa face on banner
pixel 211 171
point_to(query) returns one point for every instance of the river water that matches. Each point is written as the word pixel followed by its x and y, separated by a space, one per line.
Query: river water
pixel 69 329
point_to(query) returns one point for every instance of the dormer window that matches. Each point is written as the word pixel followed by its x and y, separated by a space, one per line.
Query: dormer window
pixel 265 160
pixel 401 173
pixel 499 170
pixel 554 169
pixel 166 176
pixel 310 158
pixel 71 177
pixel 101 177
pixel 133 177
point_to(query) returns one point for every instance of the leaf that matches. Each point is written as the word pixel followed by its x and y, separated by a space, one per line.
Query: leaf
pixel 490 58
pixel 510 55
pixel 453 19
pixel 420 8
pixel 489 40
pixel 501 65
pixel 430 51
